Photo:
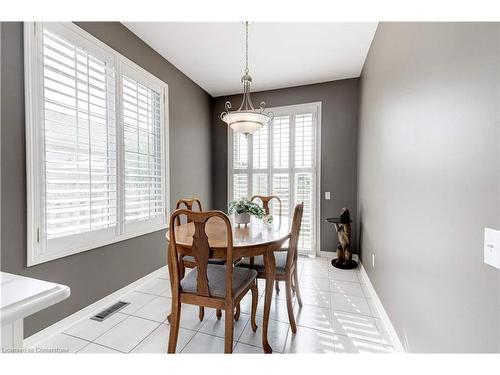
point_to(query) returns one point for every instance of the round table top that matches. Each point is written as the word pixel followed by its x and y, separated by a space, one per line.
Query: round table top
pixel 255 234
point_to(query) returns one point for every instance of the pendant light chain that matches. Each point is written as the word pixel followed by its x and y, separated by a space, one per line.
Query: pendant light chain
pixel 246 46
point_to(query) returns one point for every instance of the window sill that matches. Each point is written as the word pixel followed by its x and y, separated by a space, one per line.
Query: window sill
pixel 43 258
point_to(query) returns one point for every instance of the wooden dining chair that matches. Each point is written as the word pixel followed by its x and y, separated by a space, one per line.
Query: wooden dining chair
pixel 188 260
pixel 188 203
pixel 266 199
pixel 208 285
pixel 286 265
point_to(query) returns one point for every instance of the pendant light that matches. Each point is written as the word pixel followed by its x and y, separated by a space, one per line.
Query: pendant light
pixel 246 119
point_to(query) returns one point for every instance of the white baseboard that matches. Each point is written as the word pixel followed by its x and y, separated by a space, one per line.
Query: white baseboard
pixel 85 313
pixel 398 347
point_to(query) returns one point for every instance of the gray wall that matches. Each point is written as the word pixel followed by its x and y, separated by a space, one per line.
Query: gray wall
pixel 339 112
pixel 97 273
pixel 429 181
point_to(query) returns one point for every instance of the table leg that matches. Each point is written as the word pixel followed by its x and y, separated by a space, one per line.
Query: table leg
pixel 270 267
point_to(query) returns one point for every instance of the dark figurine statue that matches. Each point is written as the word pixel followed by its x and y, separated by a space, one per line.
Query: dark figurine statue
pixel 344 253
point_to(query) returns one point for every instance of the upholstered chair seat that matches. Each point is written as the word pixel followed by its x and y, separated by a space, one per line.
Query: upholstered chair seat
pixel 258 263
pixel 216 276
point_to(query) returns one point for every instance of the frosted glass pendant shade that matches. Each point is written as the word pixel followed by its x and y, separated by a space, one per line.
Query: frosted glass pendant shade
pixel 245 122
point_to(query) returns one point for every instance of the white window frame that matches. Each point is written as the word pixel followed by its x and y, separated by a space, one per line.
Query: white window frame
pixel 296 109
pixel 37 251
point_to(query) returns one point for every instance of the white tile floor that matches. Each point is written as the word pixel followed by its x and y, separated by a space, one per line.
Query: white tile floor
pixel 338 316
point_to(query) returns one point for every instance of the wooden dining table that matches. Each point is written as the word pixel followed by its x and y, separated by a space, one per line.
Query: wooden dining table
pixel 255 239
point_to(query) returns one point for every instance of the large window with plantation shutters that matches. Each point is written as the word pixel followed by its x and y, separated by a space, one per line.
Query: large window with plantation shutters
pixel 96 132
pixel 281 159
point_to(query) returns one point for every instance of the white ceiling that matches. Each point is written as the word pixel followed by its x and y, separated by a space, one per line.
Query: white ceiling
pixel 281 54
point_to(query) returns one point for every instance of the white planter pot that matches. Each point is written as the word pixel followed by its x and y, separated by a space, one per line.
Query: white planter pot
pixel 242 218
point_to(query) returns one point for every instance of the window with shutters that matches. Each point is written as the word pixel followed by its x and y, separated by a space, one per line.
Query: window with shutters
pixel 281 159
pixel 96 135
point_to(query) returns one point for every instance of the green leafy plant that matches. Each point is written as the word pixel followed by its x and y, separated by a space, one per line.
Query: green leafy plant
pixel 243 205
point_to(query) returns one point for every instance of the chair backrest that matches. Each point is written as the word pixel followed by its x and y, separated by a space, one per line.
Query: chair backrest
pixel 265 201
pixel 293 251
pixel 188 203
pixel 200 250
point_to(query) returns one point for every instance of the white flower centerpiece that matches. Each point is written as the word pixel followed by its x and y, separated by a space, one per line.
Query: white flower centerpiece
pixel 243 208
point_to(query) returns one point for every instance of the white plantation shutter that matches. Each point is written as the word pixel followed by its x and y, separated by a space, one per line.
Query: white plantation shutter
pixel 240 186
pixel 142 145
pixel 260 151
pixel 304 181
pixel 260 185
pixel 281 188
pixel 304 189
pixel 303 141
pixel 281 141
pixel 260 141
pixel 280 147
pixel 96 144
pixel 240 151
pixel 240 180
pixel 79 139
pixel 280 159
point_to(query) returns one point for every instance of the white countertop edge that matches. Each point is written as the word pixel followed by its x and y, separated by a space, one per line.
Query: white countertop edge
pixel 24 308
